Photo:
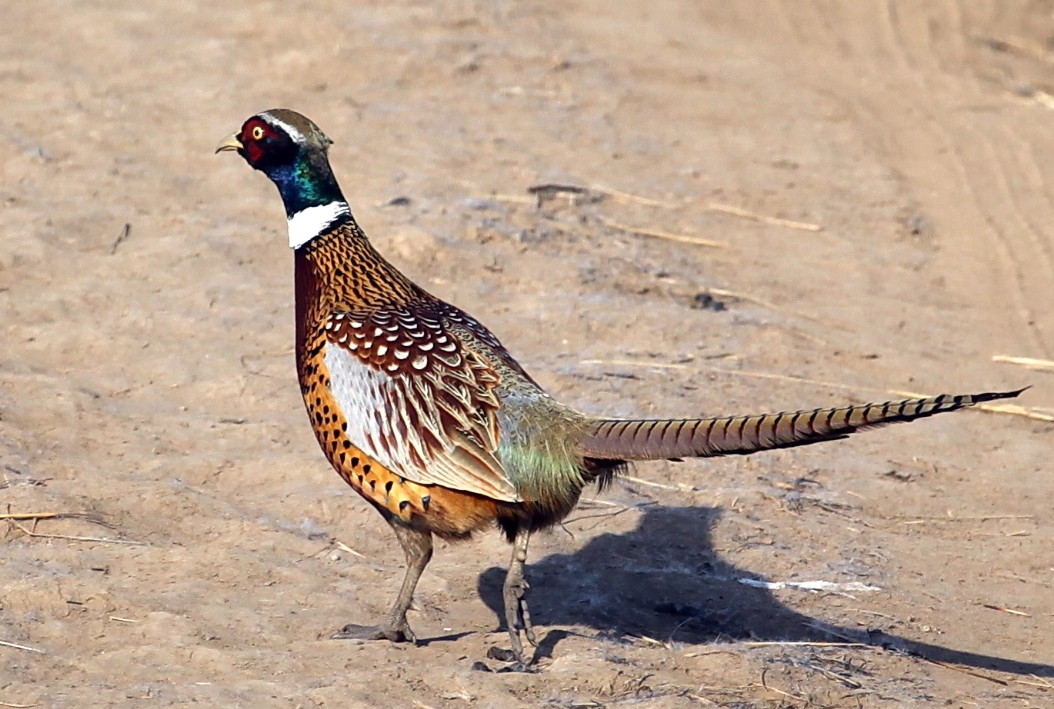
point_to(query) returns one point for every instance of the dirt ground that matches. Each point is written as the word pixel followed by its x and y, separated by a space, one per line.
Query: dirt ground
pixel 205 552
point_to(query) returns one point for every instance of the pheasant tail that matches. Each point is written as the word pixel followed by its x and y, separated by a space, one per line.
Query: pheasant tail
pixel 621 439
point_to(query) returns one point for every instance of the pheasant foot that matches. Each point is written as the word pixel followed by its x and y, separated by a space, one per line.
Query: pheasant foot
pixel 395 632
pixel 514 593
pixel 417 545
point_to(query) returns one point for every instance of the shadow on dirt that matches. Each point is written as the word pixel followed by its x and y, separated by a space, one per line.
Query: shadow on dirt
pixel 664 581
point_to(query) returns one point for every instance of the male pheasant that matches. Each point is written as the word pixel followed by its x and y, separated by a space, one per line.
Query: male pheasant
pixel 422 411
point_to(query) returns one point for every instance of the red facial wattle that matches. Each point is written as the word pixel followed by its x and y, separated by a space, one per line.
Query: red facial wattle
pixel 254 133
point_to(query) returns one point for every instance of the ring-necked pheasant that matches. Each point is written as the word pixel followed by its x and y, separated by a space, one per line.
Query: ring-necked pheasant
pixel 424 413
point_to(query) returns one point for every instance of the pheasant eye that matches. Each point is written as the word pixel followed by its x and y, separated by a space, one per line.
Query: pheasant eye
pixel 258 132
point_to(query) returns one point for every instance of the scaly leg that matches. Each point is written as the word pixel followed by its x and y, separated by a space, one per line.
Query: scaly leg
pixel 418 547
pixel 514 593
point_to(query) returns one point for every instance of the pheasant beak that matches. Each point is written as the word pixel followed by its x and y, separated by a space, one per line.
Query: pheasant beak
pixel 231 142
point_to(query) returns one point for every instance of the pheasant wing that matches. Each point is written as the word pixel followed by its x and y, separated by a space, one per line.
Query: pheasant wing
pixel 416 399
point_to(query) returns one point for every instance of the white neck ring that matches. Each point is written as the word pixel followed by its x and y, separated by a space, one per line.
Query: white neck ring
pixel 308 223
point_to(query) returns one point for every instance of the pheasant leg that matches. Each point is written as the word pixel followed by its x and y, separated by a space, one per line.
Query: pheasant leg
pixel 514 593
pixel 418 547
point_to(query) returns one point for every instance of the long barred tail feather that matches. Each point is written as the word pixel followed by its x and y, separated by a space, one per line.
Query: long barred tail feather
pixel 620 439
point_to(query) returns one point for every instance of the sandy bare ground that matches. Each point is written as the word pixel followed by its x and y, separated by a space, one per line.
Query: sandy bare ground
pixel 147 392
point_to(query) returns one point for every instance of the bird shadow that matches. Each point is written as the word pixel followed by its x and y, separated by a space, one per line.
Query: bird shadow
pixel 664 581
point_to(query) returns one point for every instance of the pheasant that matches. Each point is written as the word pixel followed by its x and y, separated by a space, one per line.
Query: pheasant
pixel 422 411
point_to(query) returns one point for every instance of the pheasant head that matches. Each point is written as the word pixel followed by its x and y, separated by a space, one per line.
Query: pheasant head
pixel 292 151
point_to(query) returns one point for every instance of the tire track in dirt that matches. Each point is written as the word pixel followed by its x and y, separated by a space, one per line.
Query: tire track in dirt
pixel 910 83
pixel 982 152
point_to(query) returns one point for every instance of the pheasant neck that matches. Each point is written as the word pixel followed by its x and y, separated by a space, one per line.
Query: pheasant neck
pixel 340 269
pixel 313 201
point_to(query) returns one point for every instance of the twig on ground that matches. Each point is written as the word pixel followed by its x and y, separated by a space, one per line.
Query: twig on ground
pixel 1016 45
pixel 17 706
pixel 125 232
pixel 663 235
pixel 775 221
pixel 551 188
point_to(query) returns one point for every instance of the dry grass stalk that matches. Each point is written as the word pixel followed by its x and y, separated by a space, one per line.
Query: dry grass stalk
pixel 775 221
pixel 697 241
pixel 515 198
pixel 772 306
pixel 625 197
pixel 949 666
pixel 649 483
pixel 619 509
pixel 634 363
pixel 1011 611
pixel 778 691
pixel 71 538
pixel 1040 682
pixel 975 518
pixel 344 547
pixel 803 643
pixel 650 641
pixel 21 647
pixel 1030 362
pixel 1015 410
pixel 30 515
pixel 1044 99
pixel 17 706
